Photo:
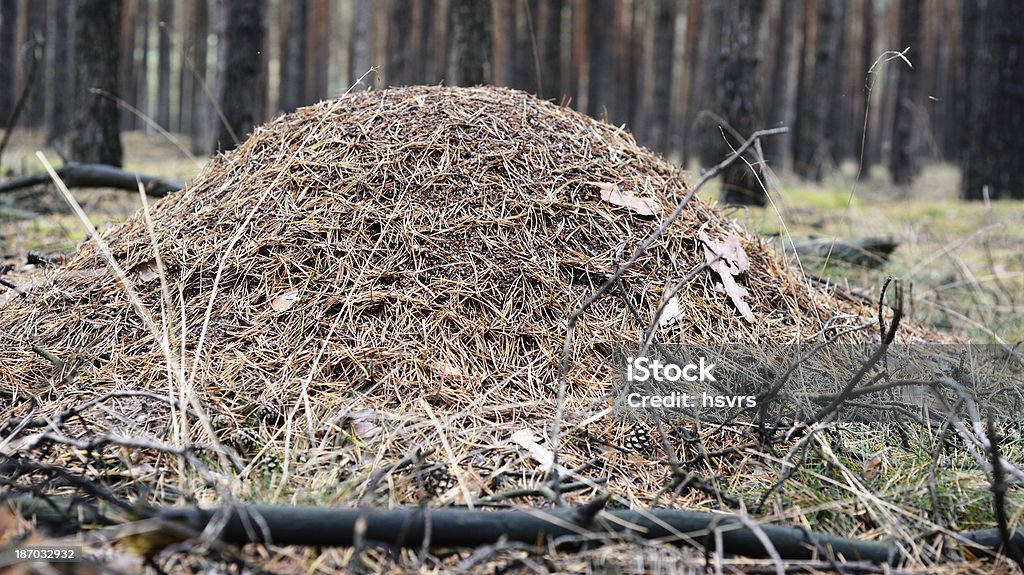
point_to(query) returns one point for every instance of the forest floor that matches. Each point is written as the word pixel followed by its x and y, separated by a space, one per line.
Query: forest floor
pixel 962 262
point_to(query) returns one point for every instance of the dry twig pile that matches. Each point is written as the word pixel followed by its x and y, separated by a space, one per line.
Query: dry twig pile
pixel 389 270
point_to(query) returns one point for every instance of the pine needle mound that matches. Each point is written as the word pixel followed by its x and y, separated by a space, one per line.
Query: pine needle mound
pixel 388 270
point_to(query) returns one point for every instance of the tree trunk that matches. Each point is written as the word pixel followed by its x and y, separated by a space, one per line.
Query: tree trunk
pixel 705 126
pixel 8 49
pixel 867 136
pixel 35 28
pixel 165 27
pixel 778 112
pixel 504 21
pixel 470 60
pixel 128 80
pixel 552 17
pixel 359 60
pixel 292 83
pixel 426 47
pixel 524 75
pixel 400 63
pixel 738 96
pixel 97 136
pixel 601 35
pixel 141 69
pixel 59 71
pixel 690 84
pixel 995 127
pixel 904 164
pixel 839 97
pixel 663 24
pixel 240 41
pixel 202 108
pixel 317 50
pixel 815 146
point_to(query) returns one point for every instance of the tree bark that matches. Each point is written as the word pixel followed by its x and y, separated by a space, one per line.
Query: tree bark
pixel 816 142
pixel 128 80
pixel 400 65
pixel 867 135
pixel 240 41
pixel 738 96
pixel 690 83
pixel 59 71
pixel 292 87
pixel 165 27
pixel 362 24
pixel 995 126
pixel 97 136
pixel 35 28
pixel 202 108
pixel 904 164
pixel 317 50
pixel 602 87
pixel 141 68
pixel 707 134
pixel 663 14
pixel 470 61
pixel 552 17
pixel 8 49
pixel 778 112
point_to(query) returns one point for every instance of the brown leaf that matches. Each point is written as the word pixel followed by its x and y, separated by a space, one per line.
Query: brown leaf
pixel 612 194
pixel 728 261
pixel 146 271
pixel 284 300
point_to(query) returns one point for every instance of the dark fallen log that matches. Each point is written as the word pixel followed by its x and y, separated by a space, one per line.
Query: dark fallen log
pixel 77 175
pixel 459 527
pixel 867 252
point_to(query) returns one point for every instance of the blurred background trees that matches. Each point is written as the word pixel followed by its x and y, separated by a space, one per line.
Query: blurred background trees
pixel 688 77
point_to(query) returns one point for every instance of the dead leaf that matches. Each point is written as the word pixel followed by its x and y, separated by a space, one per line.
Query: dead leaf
pixel 285 300
pixel 869 469
pixel 670 313
pixel 146 271
pixel 612 194
pixel 529 441
pixel 728 261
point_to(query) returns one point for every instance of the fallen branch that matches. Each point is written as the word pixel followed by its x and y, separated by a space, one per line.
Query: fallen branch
pixel 77 175
pixel 456 527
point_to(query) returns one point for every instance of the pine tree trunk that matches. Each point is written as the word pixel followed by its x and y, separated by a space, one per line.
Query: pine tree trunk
pixel 470 60
pixel 362 24
pixel 317 50
pixel 128 80
pixel 690 82
pixel 552 17
pixel 97 136
pixel 35 109
pixel 664 29
pixel 778 112
pixel 240 42
pixel 738 96
pixel 995 126
pixel 164 30
pixel 292 84
pixel 399 70
pixel 141 69
pixel 707 135
pixel 601 36
pixel 8 26
pixel 904 163
pixel 59 71
pixel 867 134
pixel 427 42
pixel 202 109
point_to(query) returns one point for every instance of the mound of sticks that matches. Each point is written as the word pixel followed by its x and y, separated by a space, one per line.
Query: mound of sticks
pixel 373 292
